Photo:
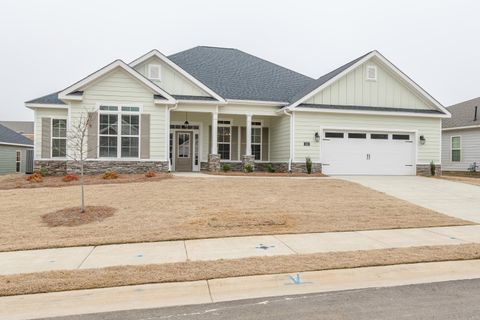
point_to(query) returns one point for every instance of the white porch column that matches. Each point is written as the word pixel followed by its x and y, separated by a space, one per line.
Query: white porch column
pixel 248 148
pixel 214 132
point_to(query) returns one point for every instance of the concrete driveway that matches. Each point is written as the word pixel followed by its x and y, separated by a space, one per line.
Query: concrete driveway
pixel 455 199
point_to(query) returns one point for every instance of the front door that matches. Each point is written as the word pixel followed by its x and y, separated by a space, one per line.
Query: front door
pixel 183 151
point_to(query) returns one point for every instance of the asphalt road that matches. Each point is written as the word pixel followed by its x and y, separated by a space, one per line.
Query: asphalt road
pixel 444 300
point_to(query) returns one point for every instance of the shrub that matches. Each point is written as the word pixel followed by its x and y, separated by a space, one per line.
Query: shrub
pixel 308 164
pixel 226 167
pixel 150 174
pixel 110 175
pixel 270 168
pixel 35 177
pixel 432 168
pixel 43 172
pixel 70 177
pixel 248 168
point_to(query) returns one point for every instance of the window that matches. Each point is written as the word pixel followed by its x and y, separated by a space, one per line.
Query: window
pixel 401 137
pixel 224 139
pixel 196 149
pixel 155 72
pixel 371 73
pixel 18 161
pixel 357 136
pixel 456 149
pixel 379 136
pixel 171 147
pixel 256 142
pixel 333 134
pixel 119 133
pixel 184 145
pixel 59 138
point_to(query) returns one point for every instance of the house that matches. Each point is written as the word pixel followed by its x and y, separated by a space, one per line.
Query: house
pixel 206 106
pixel 461 137
pixel 25 128
pixel 16 152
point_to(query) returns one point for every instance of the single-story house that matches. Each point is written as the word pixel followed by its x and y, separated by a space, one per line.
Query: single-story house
pixel 16 152
pixel 461 137
pixel 25 128
pixel 206 106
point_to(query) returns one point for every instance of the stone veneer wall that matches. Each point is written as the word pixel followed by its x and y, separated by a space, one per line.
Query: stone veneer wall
pixel 424 170
pixel 262 166
pixel 59 167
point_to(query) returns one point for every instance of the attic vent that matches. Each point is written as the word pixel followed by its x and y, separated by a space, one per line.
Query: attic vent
pixel 372 73
pixel 155 72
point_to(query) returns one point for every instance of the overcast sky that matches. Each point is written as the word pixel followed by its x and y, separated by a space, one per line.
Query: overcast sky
pixel 47 45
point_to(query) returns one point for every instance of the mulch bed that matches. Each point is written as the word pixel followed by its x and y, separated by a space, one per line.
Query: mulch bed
pixel 72 217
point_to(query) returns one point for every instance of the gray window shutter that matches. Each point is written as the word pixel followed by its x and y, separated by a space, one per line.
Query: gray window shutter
pixel 92 135
pixel 243 140
pixel 46 138
pixel 145 136
pixel 209 139
pixel 264 144
pixel 234 146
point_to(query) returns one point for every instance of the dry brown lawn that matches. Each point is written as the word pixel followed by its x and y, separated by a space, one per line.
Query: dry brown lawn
pixel 187 208
pixel 465 177
pixel 203 270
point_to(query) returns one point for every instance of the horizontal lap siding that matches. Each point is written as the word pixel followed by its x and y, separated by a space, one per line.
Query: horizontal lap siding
pixel 307 123
pixel 280 139
pixel 470 149
pixel 38 115
pixel 8 157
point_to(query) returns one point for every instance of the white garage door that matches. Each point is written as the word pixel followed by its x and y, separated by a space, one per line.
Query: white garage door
pixel 368 153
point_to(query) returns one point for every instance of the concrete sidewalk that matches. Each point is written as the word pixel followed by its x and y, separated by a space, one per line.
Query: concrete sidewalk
pixel 228 289
pixel 230 248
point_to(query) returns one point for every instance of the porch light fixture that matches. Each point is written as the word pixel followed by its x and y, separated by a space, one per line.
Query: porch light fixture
pixel 317 137
pixel 186 120
pixel 422 140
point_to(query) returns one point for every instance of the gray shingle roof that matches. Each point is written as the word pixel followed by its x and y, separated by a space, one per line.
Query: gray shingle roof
pixel 51 98
pixel 462 114
pixel 9 136
pixel 326 106
pixel 234 74
pixel 22 127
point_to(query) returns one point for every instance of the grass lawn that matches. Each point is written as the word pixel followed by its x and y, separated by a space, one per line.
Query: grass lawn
pixel 466 177
pixel 188 208
pixel 203 270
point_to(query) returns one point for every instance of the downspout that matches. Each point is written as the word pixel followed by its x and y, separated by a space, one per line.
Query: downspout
pixel 167 135
pixel 285 111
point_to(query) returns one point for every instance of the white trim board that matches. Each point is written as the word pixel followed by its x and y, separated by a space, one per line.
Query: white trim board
pixel 461 128
pixel 392 68
pixel 372 112
pixel 162 57
pixel 64 94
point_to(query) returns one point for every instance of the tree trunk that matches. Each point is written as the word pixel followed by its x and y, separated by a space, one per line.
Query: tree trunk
pixel 82 209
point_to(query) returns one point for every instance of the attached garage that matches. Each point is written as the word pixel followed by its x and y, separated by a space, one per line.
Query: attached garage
pixel 354 152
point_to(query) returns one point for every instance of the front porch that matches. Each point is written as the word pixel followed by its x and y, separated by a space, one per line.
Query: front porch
pixel 206 141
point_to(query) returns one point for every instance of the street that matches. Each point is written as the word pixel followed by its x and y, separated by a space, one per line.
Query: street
pixel 443 300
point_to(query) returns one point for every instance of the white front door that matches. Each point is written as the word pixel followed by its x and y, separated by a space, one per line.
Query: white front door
pixel 367 153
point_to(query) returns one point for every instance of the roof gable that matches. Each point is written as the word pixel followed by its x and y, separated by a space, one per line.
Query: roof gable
pixel 8 136
pixel 237 75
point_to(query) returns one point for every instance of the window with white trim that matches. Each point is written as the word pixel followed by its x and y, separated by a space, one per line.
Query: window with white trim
pixel 155 72
pixel 256 142
pixel 59 138
pixel 224 139
pixel 18 161
pixel 119 132
pixel 456 149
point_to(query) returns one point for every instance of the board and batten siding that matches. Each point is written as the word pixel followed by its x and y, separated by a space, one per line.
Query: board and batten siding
pixel 40 113
pixel 280 139
pixel 469 149
pixel 354 89
pixel 120 88
pixel 171 81
pixel 307 123
pixel 8 157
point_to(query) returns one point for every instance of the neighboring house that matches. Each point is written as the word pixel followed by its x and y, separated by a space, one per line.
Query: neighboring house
pixel 25 128
pixel 461 136
pixel 16 152
pixel 205 106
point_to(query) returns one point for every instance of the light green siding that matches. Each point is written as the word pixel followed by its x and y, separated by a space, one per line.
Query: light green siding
pixel 280 139
pixel 8 156
pixel 38 115
pixel 119 87
pixel 387 91
pixel 171 81
pixel 307 123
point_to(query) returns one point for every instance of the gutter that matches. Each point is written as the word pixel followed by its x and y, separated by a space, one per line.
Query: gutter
pixel 167 136
pixel 292 136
